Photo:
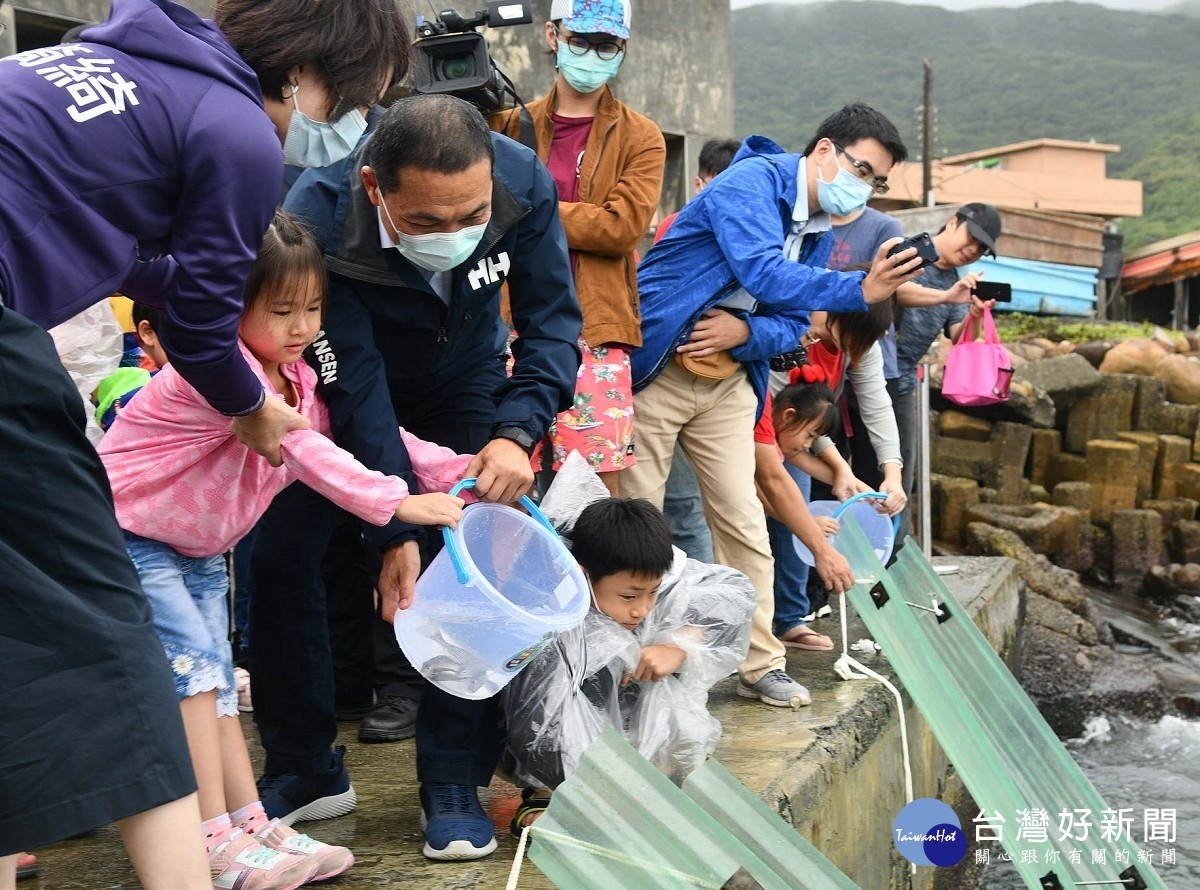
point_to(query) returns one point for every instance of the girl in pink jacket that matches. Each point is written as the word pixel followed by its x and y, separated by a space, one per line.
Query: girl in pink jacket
pixel 186 491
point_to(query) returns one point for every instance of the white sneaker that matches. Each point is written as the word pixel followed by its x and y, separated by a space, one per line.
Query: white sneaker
pixel 776 688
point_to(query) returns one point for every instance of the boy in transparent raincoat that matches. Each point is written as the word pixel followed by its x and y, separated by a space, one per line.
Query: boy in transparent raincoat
pixel 661 631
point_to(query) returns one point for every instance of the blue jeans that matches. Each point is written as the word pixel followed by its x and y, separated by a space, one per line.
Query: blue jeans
pixel 684 509
pixel 791 572
pixel 189 598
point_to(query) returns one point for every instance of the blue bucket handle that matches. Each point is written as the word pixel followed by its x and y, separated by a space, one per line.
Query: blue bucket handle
pixel 877 495
pixel 460 569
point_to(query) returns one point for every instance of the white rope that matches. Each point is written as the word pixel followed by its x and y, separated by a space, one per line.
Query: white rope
pixel 845 669
pixel 514 873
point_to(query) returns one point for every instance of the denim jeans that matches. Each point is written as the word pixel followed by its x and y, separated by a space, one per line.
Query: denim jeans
pixel 791 572
pixel 189 598
pixel 684 509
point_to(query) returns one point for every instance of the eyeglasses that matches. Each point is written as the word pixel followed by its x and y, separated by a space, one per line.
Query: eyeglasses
pixel 865 171
pixel 579 45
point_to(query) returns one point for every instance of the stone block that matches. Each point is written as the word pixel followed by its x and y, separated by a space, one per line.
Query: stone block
pixel 952 497
pixel 1077 495
pixel 1173 453
pixel 1196 445
pixel 1152 413
pixel 1066 468
pixel 1064 378
pixel 998 463
pixel 1137 545
pixel 1062 533
pixel 1187 481
pixel 1184 541
pixel 1114 487
pixel 1147 444
pixel 1043 445
pixel 957 425
pixel 1102 414
pixel 1172 510
pixel 1039 495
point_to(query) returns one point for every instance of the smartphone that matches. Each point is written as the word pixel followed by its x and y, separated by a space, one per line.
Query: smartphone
pixel 924 245
pixel 1000 291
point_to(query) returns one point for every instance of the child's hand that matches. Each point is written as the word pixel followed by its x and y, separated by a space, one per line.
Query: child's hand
pixel 431 509
pixel 658 662
pixel 828 525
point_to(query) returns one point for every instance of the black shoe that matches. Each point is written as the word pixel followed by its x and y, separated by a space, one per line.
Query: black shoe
pixel 393 718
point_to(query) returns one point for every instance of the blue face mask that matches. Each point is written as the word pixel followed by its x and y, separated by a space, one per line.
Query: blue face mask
pixel 589 72
pixel 436 251
pixel 311 143
pixel 845 195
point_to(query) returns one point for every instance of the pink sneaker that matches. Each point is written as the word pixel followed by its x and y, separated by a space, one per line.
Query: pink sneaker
pixel 328 859
pixel 242 863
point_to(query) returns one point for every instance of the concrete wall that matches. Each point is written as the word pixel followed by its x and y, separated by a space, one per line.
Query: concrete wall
pixel 678 71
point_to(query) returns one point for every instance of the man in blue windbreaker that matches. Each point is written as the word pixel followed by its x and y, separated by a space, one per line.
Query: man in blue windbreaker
pixel 422 229
pixel 727 288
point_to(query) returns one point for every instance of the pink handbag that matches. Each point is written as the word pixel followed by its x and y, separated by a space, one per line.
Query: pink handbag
pixel 977 373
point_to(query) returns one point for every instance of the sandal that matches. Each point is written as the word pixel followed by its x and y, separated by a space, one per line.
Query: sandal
pixel 804 637
pixel 533 803
pixel 27 865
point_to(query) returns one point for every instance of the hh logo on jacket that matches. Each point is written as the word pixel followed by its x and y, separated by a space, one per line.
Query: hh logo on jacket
pixel 489 271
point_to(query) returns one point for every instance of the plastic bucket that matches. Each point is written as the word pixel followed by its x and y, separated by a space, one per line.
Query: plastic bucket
pixel 879 528
pixel 502 587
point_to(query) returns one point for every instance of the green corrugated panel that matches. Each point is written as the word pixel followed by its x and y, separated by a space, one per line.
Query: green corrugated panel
pixel 744 815
pixel 1008 757
pixel 619 822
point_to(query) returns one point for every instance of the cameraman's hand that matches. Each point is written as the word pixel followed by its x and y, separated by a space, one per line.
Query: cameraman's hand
pixel 978 305
pixel 962 290
pixel 889 272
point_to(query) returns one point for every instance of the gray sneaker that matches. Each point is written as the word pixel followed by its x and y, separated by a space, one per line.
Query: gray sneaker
pixel 776 688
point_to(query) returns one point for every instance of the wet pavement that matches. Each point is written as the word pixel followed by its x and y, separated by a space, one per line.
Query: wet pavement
pixel 767 748
pixel 384 830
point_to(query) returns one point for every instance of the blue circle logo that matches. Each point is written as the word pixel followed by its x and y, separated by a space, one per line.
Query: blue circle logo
pixel 927 832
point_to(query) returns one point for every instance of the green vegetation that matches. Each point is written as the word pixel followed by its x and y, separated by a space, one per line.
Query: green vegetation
pixel 1014 326
pixel 1057 70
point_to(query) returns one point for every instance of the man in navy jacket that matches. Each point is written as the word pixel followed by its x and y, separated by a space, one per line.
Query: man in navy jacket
pixel 421 230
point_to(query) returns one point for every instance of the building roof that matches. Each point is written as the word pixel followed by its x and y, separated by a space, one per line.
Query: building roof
pixel 1161 262
pixel 1029 144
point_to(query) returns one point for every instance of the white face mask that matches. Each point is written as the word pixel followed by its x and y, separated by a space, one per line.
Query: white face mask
pixel 436 251
pixel 311 143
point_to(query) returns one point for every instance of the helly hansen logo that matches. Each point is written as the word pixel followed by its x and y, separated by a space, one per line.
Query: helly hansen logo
pixel 326 358
pixel 489 271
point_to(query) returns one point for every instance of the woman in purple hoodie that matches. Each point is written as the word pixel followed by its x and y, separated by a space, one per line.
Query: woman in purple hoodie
pixel 145 159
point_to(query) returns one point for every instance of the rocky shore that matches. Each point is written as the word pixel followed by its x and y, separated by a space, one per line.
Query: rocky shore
pixel 1088 477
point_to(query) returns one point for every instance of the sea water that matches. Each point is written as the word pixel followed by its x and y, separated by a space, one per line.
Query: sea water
pixel 1145 767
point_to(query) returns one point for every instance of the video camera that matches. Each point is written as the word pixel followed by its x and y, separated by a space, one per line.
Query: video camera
pixel 449 56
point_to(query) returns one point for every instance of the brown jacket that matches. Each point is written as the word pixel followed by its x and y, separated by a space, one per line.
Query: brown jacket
pixel 619 185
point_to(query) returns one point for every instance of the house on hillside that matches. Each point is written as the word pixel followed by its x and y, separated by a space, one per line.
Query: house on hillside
pixel 1057 204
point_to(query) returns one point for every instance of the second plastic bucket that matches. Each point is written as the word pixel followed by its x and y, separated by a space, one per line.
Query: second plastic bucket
pixel 502 587
pixel 879 528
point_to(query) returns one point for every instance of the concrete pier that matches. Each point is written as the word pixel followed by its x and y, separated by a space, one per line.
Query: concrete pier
pixel 832 769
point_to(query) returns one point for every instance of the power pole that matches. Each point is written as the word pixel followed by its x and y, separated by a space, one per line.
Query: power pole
pixel 927 135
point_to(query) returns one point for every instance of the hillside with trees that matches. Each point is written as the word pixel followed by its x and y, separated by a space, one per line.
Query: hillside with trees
pixel 1057 70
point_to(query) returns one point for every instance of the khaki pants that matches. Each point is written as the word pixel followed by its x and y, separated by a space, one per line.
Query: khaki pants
pixel 713 421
